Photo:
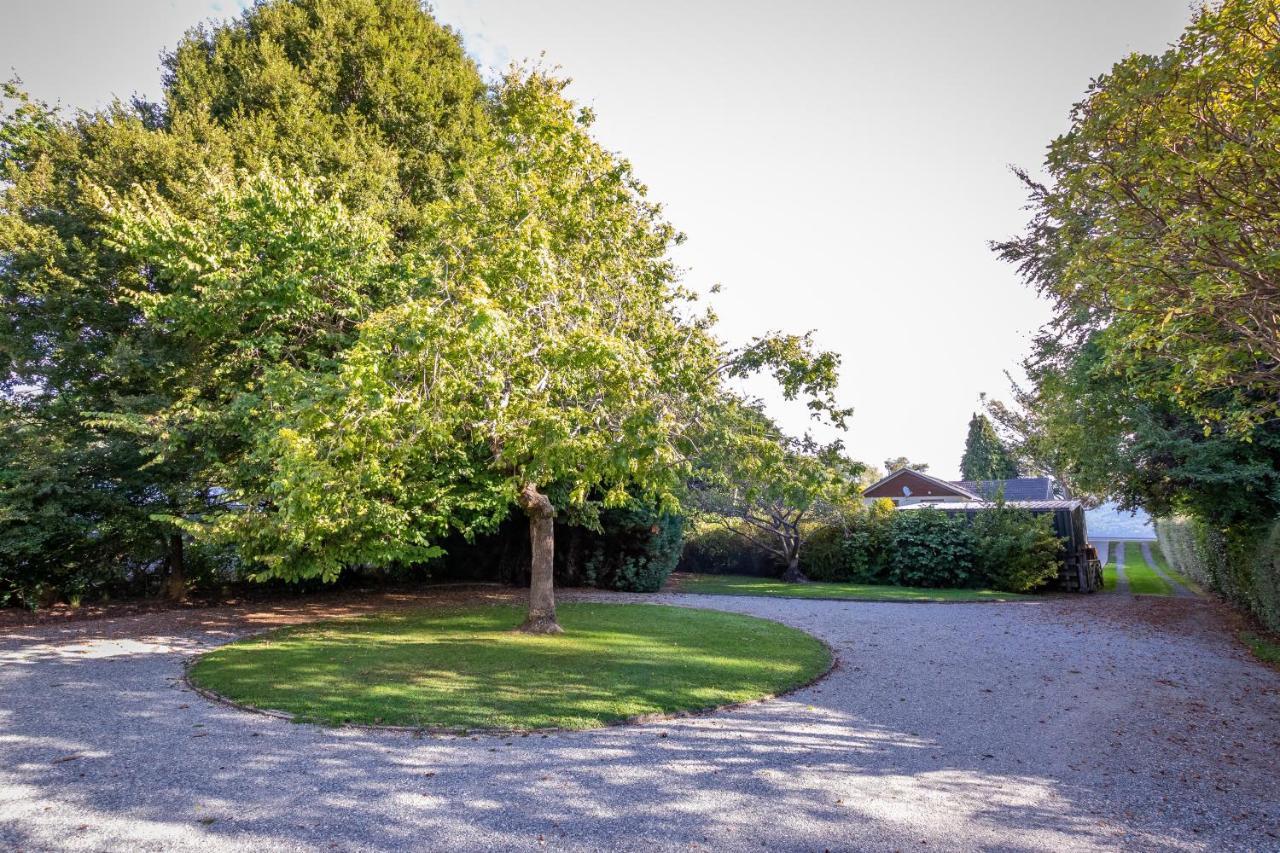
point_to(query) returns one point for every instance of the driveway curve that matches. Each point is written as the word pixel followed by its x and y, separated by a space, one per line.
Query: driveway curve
pixel 1084 723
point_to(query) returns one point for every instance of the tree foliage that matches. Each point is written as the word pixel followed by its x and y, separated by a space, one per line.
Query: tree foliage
pixel 769 488
pixel 334 299
pixel 1157 380
pixel 897 463
pixel 373 98
pixel 985 456
pixel 1156 237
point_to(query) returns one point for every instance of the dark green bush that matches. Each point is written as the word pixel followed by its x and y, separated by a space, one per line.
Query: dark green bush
pixel 1004 548
pixel 711 549
pixel 1014 550
pixel 927 547
pixel 851 553
pixel 632 551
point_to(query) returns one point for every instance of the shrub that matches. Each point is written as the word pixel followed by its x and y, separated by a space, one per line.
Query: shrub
pixel 1004 548
pixel 711 549
pixel 1014 550
pixel 634 551
pixel 631 550
pixel 926 547
pixel 851 553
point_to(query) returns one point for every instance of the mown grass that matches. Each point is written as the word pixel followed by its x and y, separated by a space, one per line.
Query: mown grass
pixel 1264 649
pixel 1143 579
pixel 1163 562
pixel 467 669
pixel 747 585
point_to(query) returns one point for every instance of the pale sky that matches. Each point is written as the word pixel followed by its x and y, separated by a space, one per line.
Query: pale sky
pixel 837 166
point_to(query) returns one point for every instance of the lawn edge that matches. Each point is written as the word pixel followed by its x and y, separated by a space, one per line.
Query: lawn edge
pixel 1022 599
pixel 638 720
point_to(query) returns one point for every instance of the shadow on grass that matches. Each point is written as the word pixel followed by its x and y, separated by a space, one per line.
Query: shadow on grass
pixel 469 669
pixel 101 747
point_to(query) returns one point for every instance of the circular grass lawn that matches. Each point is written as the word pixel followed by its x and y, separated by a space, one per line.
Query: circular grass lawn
pixel 466 668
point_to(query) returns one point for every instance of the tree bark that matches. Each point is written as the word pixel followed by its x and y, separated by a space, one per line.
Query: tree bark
pixel 175 581
pixel 793 573
pixel 542 533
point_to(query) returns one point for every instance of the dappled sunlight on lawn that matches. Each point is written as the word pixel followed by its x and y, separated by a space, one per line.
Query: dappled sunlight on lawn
pixel 471 670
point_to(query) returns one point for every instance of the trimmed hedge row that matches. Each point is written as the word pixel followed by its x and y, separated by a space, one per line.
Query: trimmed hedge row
pixel 1004 548
pixel 1241 565
pixel 631 551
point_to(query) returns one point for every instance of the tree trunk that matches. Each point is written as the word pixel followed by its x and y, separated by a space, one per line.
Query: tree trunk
pixel 175 582
pixel 542 539
pixel 793 573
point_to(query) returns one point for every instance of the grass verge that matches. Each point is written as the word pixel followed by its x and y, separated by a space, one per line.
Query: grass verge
pixel 1264 649
pixel 1163 562
pixel 466 668
pixel 747 585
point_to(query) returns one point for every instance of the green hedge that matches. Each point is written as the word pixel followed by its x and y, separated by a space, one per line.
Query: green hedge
pixel 1003 548
pixel 631 551
pixel 1242 565
pixel 710 549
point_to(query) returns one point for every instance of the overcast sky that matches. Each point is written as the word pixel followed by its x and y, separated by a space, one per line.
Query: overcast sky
pixel 837 166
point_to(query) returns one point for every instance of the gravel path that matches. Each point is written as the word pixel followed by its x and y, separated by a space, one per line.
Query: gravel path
pixel 1083 723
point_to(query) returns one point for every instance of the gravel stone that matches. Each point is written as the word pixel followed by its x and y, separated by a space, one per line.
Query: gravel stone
pixel 1078 723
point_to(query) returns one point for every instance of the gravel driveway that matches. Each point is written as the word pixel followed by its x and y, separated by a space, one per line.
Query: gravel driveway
pixel 1101 722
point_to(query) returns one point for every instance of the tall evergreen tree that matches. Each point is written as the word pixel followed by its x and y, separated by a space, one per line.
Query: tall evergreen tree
pixel 985 456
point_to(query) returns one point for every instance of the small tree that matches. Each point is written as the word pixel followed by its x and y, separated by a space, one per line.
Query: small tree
pixel 768 488
pixel 985 456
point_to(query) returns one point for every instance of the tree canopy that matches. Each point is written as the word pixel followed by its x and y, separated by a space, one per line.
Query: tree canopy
pixel 334 299
pixel 769 488
pixel 897 463
pixel 1155 238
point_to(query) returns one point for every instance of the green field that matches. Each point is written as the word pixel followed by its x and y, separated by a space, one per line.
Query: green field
pixel 746 585
pixel 467 668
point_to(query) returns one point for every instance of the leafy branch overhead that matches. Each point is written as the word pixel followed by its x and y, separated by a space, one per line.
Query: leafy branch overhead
pixel 798 370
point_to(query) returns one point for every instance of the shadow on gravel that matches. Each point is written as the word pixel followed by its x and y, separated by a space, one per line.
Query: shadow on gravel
pixel 102 746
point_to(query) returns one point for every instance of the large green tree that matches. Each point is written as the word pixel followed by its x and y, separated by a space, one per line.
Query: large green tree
pixel 333 299
pixel 372 99
pixel 533 348
pixel 1155 237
